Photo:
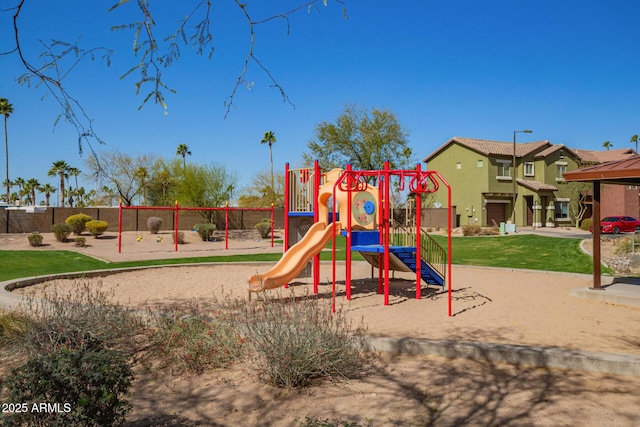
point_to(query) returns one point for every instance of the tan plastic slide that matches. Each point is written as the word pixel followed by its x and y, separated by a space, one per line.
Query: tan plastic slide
pixel 294 260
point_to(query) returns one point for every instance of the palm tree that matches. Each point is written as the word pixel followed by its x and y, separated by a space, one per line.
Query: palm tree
pixel 74 172
pixel 183 150
pixel 6 109
pixel 19 182
pixel 607 145
pixel 47 189
pixel 633 139
pixel 270 138
pixel 60 168
pixel 30 187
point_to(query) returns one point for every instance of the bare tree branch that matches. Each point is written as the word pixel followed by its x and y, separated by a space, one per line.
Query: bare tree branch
pixel 61 58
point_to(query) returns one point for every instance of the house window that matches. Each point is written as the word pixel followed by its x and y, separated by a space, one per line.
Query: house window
pixel 528 169
pixel 480 163
pixel 459 165
pixel 504 169
pixel 561 167
pixel 562 210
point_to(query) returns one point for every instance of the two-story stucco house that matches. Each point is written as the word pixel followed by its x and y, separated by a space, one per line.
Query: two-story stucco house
pixel 486 183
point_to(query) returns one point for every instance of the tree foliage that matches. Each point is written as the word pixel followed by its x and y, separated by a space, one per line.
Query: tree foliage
pixel 260 194
pixel 360 137
pixel 208 186
pixel 126 175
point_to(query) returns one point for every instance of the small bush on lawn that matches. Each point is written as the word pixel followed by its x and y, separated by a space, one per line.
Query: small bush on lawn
pixel 88 383
pixel 585 224
pixel 35 239
pixel 180 237
pixel 205 231
pixel 297 340
pixel 96 228
pixel 80 242
pixel 264 228
pixel 471 230
pixel 61 231
pixel 188 342
pixel 77 222
pixel 153 224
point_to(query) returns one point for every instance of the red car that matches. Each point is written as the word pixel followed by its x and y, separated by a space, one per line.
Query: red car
pixel 617 224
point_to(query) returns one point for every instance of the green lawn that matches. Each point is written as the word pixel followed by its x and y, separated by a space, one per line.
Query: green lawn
pixel 521 251
pixel 16 264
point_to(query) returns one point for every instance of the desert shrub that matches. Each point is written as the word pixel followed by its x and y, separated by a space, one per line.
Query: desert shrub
pixel 623 245
pixel 153 224
pixel 77 222
pixel 264 228
pixel 69 319
pixel 80 242
pixel 295 341
pixel 35 239
pixel 187 342
pixel 88 383
pixel 205 231
pixel 471 230
pixel 180 237
pixel 61 231
pixel 489 231
pixel 585 224
pixel 12 324
pixel 96 228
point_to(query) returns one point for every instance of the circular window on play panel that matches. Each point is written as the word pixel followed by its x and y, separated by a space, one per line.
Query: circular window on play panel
pixel 363 208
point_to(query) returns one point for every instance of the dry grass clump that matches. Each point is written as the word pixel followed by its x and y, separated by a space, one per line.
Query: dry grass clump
pixel 68 319
pixel 187 341
pixel 295 340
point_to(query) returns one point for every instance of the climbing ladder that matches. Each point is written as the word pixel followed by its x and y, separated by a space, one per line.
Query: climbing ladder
pixel 402 255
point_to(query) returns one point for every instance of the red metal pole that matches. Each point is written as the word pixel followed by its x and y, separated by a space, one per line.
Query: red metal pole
pixel 285 244
pixel 175 237
pixel 418 242
pixel 449 243
pixel 386 232
pixel 333 250
pixel 272 223
pixel 349 225
pixel 380 238
pixel 316 218
pixel 120 227
pixel 226 226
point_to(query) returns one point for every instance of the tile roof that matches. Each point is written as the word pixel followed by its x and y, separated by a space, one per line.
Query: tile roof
pixel 594 156
pixel 503 148
pixel 536 186
pixel 553 148
pixel 492 148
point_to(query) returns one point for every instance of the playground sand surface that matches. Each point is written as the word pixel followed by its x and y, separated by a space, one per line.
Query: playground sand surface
pixel 488 305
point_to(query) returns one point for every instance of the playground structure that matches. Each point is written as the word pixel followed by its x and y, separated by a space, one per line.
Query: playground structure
pixel 319 206
pixel 176 216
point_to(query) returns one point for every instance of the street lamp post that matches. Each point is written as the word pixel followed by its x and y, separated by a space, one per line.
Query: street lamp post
pixel 513 167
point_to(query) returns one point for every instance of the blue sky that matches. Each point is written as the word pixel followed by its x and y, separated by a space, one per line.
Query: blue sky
pixel 482 69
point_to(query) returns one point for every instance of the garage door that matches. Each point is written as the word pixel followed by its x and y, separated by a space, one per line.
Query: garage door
pixel 496 213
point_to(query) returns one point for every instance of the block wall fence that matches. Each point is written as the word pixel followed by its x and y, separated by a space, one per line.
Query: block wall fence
pixel 20 221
